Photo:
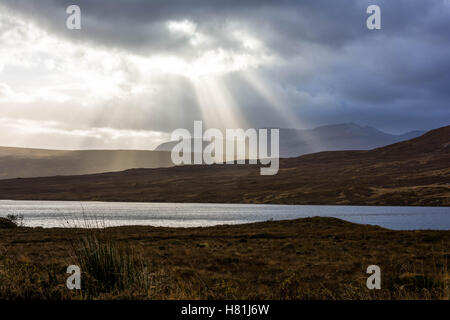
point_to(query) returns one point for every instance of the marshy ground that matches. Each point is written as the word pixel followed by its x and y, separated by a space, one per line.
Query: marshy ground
pixel 310 258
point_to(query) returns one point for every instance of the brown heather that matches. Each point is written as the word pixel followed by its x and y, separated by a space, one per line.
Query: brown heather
pixel 311 258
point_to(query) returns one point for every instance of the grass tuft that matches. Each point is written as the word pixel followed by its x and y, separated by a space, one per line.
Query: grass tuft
pixel 108 266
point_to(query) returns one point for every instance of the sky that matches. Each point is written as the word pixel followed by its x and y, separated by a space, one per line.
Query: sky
pixel 137 69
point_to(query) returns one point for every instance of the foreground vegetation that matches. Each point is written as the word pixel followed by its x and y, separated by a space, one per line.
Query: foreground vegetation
pixel 312 258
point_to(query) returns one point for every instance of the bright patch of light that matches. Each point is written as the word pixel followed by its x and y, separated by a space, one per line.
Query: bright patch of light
pixel 55 135
pixel 39 69
pixel 185 26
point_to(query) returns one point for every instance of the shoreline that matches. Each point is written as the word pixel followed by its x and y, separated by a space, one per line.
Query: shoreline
pixel 236 203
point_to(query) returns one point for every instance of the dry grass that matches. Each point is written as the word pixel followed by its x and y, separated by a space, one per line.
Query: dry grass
pixel 108 266
pixel 312 258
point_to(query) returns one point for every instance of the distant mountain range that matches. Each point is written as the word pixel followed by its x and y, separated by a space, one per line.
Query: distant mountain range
pixel 23 162
pixel 413 172
pixel 347 136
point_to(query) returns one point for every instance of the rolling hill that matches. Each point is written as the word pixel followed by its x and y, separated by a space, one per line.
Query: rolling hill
pixel 25 163
pixel 414 172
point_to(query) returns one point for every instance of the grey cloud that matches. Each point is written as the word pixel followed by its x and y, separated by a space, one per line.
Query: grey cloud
pixel 396 78
pixel 284 25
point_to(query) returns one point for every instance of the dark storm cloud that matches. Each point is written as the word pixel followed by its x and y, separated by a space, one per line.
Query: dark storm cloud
pixel 284 25
pixel 395 78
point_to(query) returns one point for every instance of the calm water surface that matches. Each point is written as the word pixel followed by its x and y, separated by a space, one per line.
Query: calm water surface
pixel 87 214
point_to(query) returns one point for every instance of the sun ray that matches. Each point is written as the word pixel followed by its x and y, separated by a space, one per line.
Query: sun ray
pixel 217 105
pixel 279 103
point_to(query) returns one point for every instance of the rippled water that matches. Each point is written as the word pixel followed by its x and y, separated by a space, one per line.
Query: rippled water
pixel 73 213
